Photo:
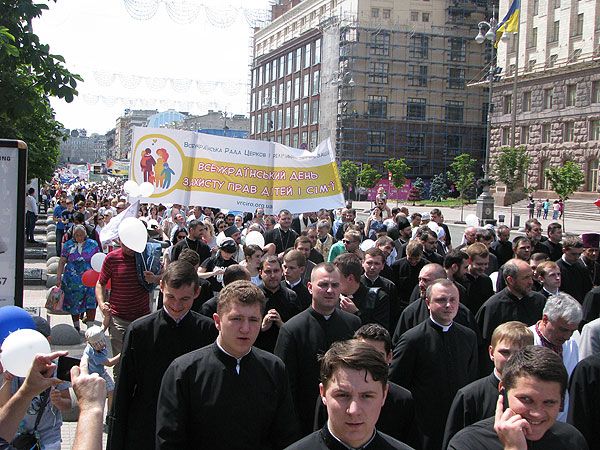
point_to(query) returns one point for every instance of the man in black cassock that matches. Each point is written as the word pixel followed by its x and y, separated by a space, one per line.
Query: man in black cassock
pixel 373 264
pixel 515 302
pixel 417 311
pixel 434 360
pixel 353 388
pixel 294 265
pixel 282 303
pixel 584 396
pixel 477 400
pixel 575 277
pixel 311 333
pixel 283 237
pixel 552 246
pixel 534 382
pixel 228 395
pixel 589 257
pixel 151 344
pixel 405 271
pixel 502 248
pixel 476 281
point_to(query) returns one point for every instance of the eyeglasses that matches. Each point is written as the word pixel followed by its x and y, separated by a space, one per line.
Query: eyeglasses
pixel 346 241
pixel 181 236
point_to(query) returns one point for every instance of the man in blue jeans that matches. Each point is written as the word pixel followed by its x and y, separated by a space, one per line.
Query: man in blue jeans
pixel 60 225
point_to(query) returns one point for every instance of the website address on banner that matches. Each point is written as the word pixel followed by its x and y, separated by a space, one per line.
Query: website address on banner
pixel 254 204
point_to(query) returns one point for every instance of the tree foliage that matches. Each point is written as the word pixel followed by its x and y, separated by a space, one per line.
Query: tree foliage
pixel 348 173
pixel 438 189
pixel 416 191
pixel 565 179
pixel 462 173
pixel 367 177
pixel 398 169
pixel 510 166
pixel 29 75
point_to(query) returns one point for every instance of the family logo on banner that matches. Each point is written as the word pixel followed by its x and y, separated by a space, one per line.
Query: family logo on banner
pixel 238 174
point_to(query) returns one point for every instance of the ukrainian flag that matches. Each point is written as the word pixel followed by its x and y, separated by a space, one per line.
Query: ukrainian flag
pixel 510 23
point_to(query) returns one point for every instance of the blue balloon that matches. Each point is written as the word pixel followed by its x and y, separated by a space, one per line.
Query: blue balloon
pixel 13 318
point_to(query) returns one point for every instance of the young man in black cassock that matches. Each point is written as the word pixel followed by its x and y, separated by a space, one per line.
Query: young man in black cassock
pixel 515 302
pixel 151 344
pixel 373 264
pixel 584 396
pixel 434 360
pixel 311 333
pixel 575 278
pixel 294 265
pixel 353 388
pixel 534 382
pixel 477 400
pixel 283 237
pixel 228 395
pixel 406 271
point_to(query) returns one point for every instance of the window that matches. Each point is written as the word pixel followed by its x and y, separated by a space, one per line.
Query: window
pixel 279 119
pixel 425 17
pixel 298 58
pixel 456 78
pixel 526 101
pixel 505 139
pixel 296 118
pixel 304 140
pixel 417 75
pixel 290 63
pixel 266 124
pixel 457 49
pixel 575 55
pixel 531 65
pixel 379 72
pixel 507 104
pixel 569 131
pixel 305 113
pixel 314 112
pixel 415 108
pixel 544 181
pixel 552 61
pixel 419 46
pixel 288 91
pixel 295 140
pixel 306 85
pixel 595 130
pixel 307 60
pixel 571 94
pixel 288 117
pixel 268 72
pixel 377 106
pixel 282 66
pixel 595 91
pixel 414 16
pixel 555 32
pixel 524 136
pixel 454 110
pixel 415 144
pixel 578 25
pixel 592 175
pixel 252 124
pixel 533 38
pixel 313 139
pixel 387 13
pixel 453 144
pixel 258 123
pixel 547 98
pixel 380 43
pixel 316 82
pixel 376 141
pixel 546 133
pixel 374 13
pixel 536 7
pixel 296 87
pixel 280 97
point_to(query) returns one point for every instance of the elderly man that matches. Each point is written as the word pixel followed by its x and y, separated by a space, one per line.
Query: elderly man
pixel 469 237
pixel 534 382
pixel 560 319
pixel 434 360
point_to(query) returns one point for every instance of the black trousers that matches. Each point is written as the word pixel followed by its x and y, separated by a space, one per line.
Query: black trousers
pixel 30 219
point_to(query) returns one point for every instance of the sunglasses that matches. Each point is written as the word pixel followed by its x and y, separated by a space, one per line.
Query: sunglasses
pixel 181 236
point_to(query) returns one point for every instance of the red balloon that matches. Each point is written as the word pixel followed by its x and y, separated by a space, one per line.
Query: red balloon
pixel 90 278
pixel 597 203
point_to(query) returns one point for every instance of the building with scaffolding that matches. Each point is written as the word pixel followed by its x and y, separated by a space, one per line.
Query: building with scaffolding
pixel 557 94
pixel 380 78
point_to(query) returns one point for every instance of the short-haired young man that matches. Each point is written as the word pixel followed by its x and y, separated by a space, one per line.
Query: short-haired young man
pixel 151 344
pixel 477 401
pixel 502 248
pixel 353 388
pixel 406 271
pixel 294 267
pixel 349 244
pixel 534 383
pixel 575 280
pixel 229 394
pixel 548 274
pixel 552 246
pixel 373 265
pixel 477 282
pixel 589 257
pixel 283 237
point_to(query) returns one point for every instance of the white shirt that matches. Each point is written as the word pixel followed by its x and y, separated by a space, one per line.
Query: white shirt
pixel 31 204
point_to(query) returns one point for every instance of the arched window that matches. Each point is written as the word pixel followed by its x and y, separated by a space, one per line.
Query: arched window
pixel 592 175
pixel 544 182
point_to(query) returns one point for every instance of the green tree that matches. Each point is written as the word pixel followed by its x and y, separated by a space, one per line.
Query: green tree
pixel 398 168
pixel 510 166
pixel 29 75
pixel 565 179
pixel 462 173
pixel 438 189
pixel 348 175
pixel 367 177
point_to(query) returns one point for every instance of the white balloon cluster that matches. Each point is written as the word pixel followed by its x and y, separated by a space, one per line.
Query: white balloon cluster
pixel 133 189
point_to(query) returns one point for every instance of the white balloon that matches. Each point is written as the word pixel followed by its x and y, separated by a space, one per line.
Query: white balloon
pixel 19 350
pixel 219 239
pixel 255 238
pixel 133 234
pixel 131 187
pixel 146 189
pixel 97 261
pixel 433 227
pixel 367 244
pixel 472 220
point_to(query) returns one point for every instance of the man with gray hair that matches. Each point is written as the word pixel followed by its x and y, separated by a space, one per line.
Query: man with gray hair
pixel 560 320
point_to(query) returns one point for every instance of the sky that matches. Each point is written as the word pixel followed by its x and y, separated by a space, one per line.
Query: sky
pixel 134 54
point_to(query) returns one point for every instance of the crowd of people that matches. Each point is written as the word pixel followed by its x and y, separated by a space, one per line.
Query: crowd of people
pixel 332 332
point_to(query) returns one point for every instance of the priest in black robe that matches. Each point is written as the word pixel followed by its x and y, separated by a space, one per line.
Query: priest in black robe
pixel 406 271
pixel 283 237
pixel 310 334
pixel 575 278
pixel 434 360
pixel 589 257
pixel 228 395
pixel 584 397
pixel 151 344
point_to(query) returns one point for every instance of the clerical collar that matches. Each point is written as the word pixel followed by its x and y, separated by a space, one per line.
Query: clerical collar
pixel 364 446
pixel 565 261
pixel 497 375
pixel 177 321
pixel 372 280
pixel 545 342
pixel 444 328
pixel 294 284
pixel 237 360
pixel 551 293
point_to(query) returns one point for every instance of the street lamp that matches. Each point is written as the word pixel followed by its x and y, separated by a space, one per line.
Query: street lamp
pixel 485 201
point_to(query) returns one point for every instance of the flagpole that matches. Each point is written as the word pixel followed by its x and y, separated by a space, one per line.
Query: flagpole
pixel 513 125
